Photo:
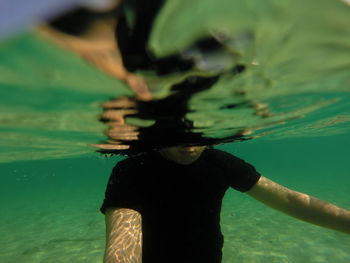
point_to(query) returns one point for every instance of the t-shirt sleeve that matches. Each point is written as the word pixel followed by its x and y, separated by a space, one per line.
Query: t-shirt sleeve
pixel 239 174
pixel 121 191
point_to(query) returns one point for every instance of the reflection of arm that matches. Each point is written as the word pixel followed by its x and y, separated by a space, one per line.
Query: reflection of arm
pixel 123 236
pixel 301 206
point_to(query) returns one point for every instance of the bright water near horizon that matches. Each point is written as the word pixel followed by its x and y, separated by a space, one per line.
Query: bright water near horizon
pixel 52 182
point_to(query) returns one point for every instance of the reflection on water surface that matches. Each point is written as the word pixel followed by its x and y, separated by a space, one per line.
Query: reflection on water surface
pixel 202 73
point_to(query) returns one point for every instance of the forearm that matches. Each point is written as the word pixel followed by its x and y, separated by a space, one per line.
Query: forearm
pixel 301 206
pixel 124 237
pixel 318 212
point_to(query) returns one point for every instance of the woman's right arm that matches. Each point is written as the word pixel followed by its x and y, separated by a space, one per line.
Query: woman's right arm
pixel 123 236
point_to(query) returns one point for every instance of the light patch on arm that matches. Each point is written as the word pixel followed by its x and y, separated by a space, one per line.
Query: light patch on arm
pixel 301 206
pixel 123 236
pixel 270 193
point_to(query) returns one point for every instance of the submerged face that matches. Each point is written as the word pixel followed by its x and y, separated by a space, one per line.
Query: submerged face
pixel 182 154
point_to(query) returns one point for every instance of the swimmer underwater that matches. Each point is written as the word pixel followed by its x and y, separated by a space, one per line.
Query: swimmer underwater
pixel 164 206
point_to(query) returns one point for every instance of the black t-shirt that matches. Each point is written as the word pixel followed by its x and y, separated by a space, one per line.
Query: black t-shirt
pixel 180 204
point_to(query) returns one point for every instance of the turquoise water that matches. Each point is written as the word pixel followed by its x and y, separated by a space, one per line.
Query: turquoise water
pixel 50 208
pixel 52 181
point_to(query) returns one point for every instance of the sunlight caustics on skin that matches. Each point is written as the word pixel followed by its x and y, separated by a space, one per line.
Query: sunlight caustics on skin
pixel 124 239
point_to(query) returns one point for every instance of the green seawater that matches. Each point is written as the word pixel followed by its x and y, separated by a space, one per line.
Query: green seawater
pixel 52 182
pixel 50 207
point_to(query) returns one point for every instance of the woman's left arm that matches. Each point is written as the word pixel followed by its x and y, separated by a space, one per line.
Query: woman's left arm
pixel 301 206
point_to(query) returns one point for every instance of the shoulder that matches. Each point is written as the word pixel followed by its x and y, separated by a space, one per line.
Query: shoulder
pixel 219 155
pixel 225 159
pixel 239 174
pixel 129 165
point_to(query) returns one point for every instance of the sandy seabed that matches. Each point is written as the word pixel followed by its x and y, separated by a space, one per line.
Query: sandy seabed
pixel 59 224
